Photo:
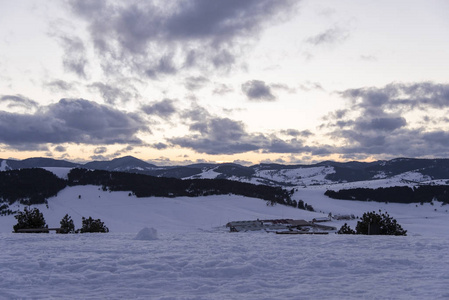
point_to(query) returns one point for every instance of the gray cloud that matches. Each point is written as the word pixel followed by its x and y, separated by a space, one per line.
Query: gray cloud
pixel 163 109
pixel 195 83
pixel 297 133
pixel 195 113
pixel 19 101
pixel 159 146
pixel 219 136
pixel 60 149
pixel 113 93
pixel 100 150
pixel 277 145
pixel 330 36
pixel 159 38
pixel 257 90
pixel 400 97
pixel 382 124
pixel 70 121
pixel 60 85
pixel 216 135
pixel 74 59
pixel 380 127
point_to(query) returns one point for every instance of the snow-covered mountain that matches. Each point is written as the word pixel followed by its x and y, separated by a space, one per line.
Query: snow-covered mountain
pixel 270 174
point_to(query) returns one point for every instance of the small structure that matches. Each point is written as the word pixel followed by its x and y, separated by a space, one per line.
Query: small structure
pixel 38 230
pixel 319 220
pixel 343 217
pixel 277 225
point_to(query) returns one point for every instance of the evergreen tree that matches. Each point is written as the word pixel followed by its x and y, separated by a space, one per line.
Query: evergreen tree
pixel 29 219
pixel 67 225
pixel 384 224
pixel 91 225
pixel 346 229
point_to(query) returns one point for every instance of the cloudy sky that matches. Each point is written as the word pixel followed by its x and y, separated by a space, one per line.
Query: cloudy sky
pixel 176 82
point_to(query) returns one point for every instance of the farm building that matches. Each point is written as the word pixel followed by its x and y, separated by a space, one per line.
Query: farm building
pixel 277 225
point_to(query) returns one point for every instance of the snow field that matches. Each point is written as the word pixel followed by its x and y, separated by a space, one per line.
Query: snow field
pixel 128 214
pixel 298 176
pixel 425 220
pixel 201 265
pixel 178 248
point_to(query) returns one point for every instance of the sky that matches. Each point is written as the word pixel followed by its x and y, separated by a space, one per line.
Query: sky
pixel 254 81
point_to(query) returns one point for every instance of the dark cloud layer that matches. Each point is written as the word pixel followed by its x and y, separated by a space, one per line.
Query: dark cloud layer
pixel 70 121
pixel 216 135
pixel 160 38
pixel 381 128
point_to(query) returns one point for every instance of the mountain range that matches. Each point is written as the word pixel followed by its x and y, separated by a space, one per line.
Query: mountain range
pixel 325 172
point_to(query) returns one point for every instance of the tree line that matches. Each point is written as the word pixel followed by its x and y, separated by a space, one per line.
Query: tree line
pixel 150 186
pixel 396 194
pixel 29 186
pixel 32 220
pixel 35 186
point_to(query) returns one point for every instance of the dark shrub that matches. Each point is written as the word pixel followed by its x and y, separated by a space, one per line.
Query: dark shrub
pixel 346 229
pixel 379 223
pixel 91 225
pixel 29 219
pixel 67 225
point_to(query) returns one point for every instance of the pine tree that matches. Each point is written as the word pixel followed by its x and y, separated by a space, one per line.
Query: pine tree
pixel 91 225
pixel 346 229
pixel 29 219
pixel 67 225
pixel 384 224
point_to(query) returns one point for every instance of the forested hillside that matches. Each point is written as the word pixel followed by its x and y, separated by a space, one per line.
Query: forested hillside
pixel 29 186
pixel 147 186
pixel 398 194
pixel 35 186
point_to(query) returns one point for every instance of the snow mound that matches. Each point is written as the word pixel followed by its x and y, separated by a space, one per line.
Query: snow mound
pixel 146 234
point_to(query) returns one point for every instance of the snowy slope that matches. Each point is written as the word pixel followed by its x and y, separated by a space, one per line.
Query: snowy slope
pixel 195 257
pixel 128 214
pixel 58 171
pixel 298 176
pixel 4 165
pixel 123 213
pixel 204 265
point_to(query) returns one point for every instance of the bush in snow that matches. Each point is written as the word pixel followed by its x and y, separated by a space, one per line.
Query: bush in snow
pixel 91 225
pixel 146 234
pixel 379 223
pixel 345 229
pixel 28 219
pixel 67 225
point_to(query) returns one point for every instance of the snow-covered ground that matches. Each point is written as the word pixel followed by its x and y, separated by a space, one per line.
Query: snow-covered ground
pixel 58 171
pixel 187 253
pixel 205 265
pixel 299 176
pixel 128 214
